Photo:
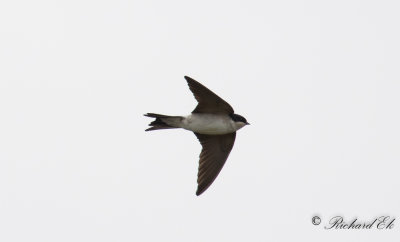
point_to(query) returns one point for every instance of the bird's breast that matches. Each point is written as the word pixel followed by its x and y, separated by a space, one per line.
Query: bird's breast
pixel 211 124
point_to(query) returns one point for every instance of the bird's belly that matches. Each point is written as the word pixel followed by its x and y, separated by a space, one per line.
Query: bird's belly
pixel 208 124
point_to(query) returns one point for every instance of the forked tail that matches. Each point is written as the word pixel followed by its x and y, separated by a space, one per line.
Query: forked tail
pixel 163 121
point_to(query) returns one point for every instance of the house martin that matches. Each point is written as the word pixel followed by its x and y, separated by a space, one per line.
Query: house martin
pixel 214 123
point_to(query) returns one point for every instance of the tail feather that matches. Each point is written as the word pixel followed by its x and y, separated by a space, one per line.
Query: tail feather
pixel 158 123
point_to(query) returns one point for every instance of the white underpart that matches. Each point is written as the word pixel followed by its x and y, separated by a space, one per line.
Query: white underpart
pixel 212 124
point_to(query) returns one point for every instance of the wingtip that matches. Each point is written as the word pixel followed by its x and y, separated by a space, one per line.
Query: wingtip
pixel 200 190
pixel 188 78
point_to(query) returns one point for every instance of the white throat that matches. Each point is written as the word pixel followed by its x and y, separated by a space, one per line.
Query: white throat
pixel 239 125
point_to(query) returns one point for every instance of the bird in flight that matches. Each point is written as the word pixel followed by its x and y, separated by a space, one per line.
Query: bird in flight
pixel 214 123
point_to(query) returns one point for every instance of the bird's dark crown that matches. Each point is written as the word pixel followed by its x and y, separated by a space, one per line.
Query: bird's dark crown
pixel 238 118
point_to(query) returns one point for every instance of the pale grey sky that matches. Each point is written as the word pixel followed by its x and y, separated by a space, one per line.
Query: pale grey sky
pixel 317 80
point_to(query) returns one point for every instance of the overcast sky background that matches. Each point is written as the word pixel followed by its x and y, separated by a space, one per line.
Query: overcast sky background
pixel 317 80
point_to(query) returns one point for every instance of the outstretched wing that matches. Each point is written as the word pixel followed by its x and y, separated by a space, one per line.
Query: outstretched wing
pixel 208 102
pixel 216 149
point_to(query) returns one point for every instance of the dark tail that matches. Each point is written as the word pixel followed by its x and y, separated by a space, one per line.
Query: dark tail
pixel 160 122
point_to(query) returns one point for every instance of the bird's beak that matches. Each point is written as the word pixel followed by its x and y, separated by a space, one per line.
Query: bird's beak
pixel 247 123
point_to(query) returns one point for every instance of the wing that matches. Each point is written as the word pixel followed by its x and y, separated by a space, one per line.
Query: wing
pixel 216 149
pixel 208 102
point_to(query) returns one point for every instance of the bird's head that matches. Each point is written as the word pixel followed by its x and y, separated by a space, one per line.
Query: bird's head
pixel 239 120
